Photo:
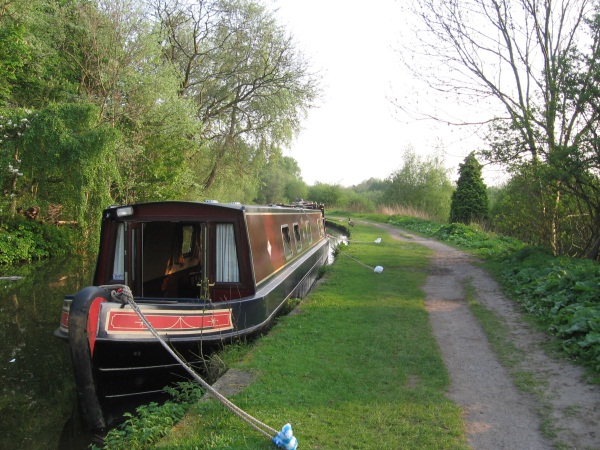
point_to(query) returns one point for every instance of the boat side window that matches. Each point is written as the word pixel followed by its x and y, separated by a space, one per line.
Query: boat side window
pixel 119 261
pixel 309 232
pixel 298 237
pixel 228 270
pixel 287 241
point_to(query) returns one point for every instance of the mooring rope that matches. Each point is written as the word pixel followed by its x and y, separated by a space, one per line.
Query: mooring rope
pixel 356 260
pixel 122 293
pixel 377 269
pixel 376 241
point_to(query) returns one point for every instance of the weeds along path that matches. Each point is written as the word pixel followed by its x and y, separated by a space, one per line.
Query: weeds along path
pixel 558 409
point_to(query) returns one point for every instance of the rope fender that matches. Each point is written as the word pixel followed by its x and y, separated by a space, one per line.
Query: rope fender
pixel 283 439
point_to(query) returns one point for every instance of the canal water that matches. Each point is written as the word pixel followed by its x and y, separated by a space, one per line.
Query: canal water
pixel 37 393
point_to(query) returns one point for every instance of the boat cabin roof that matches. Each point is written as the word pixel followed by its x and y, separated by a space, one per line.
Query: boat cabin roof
pixel 169 210
pixel 166 249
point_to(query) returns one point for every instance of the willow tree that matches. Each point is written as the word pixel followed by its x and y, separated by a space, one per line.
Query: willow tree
pixel 14 54
pixel 533 64
pixel 33 69
pixel 68 162
pixel 250 85
pixel 118 57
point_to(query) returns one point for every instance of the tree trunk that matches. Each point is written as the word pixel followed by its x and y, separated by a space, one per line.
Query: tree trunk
pixel 594 250
pixel 222 150
pixel 210 179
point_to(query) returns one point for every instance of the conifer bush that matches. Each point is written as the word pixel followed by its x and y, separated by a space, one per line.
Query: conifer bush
pixel 469 200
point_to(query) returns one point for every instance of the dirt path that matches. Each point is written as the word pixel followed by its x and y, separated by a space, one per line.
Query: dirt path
pixel 496 414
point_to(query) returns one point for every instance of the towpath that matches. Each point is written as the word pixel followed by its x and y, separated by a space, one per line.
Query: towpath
pixel 496 414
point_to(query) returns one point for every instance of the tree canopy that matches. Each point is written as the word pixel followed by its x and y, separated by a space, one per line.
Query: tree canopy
pixel 421 183
pixel 248 83
pixel 145 101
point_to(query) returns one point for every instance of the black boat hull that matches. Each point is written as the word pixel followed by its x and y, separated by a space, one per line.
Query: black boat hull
pixel 110 365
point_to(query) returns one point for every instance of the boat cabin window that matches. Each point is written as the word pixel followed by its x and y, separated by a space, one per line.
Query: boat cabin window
pixel 287 241
pixel 119 262
pixel 187 241
pixel 226 258
pixel 298 237
pixel 309 233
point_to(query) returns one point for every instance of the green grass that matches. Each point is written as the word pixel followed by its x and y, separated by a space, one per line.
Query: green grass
pixel 357 368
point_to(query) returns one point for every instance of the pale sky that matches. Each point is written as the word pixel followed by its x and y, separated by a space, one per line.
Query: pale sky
pixel 356 133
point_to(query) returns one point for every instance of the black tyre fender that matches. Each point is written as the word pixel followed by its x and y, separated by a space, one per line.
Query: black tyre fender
pixel 81 355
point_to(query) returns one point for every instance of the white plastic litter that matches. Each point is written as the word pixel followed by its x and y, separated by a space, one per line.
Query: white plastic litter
pixel 285 438
pixel 378 240
pixel 378 269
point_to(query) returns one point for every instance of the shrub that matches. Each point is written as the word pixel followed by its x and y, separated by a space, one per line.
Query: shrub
pixel 22 240
pixel 563 293
pixel 152 421
pixel 421 183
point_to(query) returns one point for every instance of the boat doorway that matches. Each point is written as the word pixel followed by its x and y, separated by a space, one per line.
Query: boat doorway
pixel 172 259
pixel 160 259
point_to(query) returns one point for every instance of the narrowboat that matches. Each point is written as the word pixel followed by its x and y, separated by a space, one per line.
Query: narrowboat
pixel 202 273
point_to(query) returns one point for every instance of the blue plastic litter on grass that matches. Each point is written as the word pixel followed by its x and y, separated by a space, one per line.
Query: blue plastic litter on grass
pixel 285 438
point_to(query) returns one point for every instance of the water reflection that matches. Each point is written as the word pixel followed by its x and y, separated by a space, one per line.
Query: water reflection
pixel 37 393
pixel 336 238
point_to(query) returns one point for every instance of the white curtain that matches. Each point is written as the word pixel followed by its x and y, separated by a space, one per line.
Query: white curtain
pixel 119 263
pixel 227 263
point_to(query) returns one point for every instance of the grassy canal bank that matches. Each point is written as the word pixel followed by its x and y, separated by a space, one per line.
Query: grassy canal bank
pixel 356 367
